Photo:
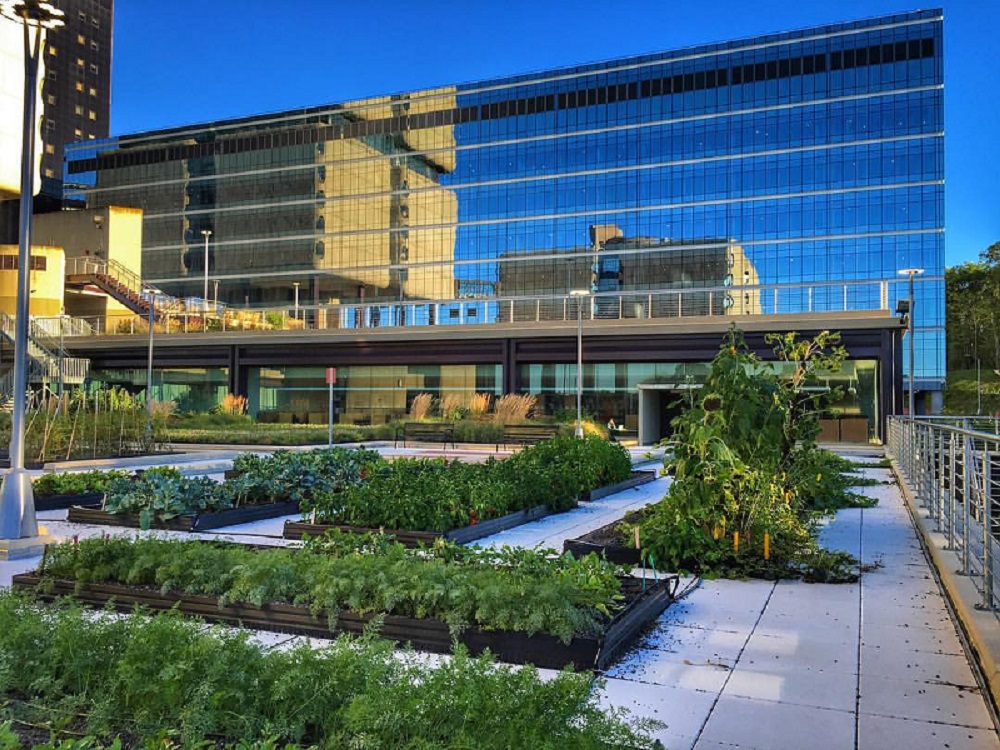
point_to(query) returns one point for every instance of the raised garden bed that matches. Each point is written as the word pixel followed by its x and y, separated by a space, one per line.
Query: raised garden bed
pixel 643 603
pixel 607 542
pixel 196 522
pixel 62 502
pixel 637 479
pixel 466 534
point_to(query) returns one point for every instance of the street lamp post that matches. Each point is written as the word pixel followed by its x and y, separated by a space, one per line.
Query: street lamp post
pixel 296 285
pixel 911 272
pixel 206 233
pixel 149 369
pixel 579 294
pixel 18 527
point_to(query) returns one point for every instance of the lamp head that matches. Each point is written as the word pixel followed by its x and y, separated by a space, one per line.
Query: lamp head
pixel 33 13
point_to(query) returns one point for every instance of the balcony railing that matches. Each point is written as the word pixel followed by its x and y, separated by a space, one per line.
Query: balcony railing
pixel 661 305
pixel 954 474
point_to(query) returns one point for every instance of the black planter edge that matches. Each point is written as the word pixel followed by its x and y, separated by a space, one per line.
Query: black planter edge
pixel 542 650
pixel 637 479
pixel 466 534
pixel 614 553
pixel 202 522
pixel 64 502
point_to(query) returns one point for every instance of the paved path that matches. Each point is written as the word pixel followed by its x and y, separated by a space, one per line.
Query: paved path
pixel 759 665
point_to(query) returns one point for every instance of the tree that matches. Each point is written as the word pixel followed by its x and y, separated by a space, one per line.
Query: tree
pixel 973 312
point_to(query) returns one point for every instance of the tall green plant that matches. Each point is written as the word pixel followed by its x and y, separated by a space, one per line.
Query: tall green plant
pixel 737 451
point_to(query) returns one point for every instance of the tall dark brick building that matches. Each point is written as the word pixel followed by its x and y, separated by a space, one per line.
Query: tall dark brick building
pixel 76 94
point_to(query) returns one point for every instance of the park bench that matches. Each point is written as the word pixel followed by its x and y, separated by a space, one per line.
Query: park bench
pixel 426 432
pixel 526 434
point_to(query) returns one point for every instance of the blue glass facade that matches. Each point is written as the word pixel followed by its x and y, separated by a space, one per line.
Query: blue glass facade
pixel 814 156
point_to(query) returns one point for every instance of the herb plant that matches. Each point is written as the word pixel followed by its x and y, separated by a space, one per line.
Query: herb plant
pixel 524 590
pixel 166 681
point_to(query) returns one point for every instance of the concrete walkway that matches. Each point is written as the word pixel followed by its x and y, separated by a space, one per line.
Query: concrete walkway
pixel 760 665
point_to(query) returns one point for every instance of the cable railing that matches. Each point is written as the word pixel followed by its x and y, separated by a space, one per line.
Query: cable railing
pixel 954 473
pixel 659 305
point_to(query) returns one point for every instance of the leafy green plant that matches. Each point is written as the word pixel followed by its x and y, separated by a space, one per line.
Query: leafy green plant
pixel 168 681
pixel 162 493
pixel 76 483
pixel 749 477
pixel 439 495
pixel 525 590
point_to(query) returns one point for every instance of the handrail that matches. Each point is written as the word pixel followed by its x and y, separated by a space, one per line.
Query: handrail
pixel 954 474
pixel 660 304
pixel 89 266
pixel 977 423
pixel 44 364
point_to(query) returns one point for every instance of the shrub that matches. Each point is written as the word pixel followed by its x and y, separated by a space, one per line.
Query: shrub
pixel 161 411
pixel 472 431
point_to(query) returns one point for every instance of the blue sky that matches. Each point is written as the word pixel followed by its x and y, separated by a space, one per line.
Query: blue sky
pixel 182 61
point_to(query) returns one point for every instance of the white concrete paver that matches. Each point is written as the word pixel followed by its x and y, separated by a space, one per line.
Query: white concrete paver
pixel 759 665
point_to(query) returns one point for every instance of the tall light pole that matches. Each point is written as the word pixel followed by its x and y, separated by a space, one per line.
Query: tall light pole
pixel 911 272
pixel 296 285
pixel 206 233
pixel 579 294
pixel 18 527
pixel 149 368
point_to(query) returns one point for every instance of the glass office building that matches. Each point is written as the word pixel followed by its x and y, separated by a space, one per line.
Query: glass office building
pixel 806 158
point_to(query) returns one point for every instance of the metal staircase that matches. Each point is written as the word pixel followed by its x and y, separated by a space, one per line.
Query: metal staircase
pixel 112 278
pixel 48 360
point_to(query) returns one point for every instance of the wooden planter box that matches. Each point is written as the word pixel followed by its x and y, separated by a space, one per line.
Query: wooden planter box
pixel 465 534
pixel 642 606
pixel 62 502
pixel 200 522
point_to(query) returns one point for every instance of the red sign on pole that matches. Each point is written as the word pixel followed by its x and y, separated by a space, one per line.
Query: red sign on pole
pixel 331 375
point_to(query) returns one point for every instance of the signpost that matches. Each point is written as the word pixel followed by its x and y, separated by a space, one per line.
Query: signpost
pixel 331 378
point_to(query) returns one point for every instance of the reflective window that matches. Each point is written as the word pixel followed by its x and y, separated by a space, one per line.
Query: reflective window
pixel 807 158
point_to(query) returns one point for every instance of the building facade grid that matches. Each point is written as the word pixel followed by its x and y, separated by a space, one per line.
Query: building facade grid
pixel 808 156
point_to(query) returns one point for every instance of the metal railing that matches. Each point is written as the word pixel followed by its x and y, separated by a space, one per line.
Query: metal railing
pixel 954 473
pixel 44 364
pixel 86 266
pixel 661 305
